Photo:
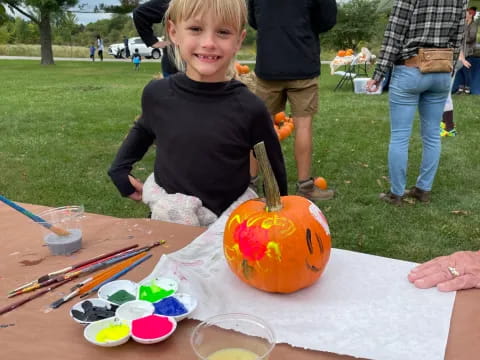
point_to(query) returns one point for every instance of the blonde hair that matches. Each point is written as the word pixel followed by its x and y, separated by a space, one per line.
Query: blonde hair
pixel 231 12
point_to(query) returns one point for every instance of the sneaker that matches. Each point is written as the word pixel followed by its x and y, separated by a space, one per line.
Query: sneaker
pixel 308 190
pixel 460 91
pixel 467 90
pixel 419 194
pixel 391 198
pixel 445 133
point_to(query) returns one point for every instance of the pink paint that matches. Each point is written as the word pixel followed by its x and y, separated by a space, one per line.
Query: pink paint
pixel 252 240
pixel 151 327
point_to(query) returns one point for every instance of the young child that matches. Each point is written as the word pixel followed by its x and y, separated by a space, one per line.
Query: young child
pixel 203 123
pixel 92 52
pixel 136 59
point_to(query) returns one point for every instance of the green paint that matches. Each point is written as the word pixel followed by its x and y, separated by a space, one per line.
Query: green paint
pixel 153 293
pixel 112 333
pixel 248 270
pixel 120 297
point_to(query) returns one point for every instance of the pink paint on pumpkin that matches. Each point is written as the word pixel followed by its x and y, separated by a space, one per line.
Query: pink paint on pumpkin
pixel 252 240
pixel 151 327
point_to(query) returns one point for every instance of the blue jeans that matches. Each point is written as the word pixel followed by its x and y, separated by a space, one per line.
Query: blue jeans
pixel 409 89
pixel 467 73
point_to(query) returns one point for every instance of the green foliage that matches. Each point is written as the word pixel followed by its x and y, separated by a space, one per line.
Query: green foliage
pixel 356 24
pixel 61 127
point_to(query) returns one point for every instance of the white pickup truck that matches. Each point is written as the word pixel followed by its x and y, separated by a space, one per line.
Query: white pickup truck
pixel 118 50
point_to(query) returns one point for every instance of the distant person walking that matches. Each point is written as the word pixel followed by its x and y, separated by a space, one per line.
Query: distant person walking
pixel 92 52
pixel 136 59
pixel 287 68
pixel 100 47
pixel 127 50
pixel 144 17
pixel 471 29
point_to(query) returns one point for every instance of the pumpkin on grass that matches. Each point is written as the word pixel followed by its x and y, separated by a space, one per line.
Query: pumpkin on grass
pixel 321 183
pixel 277 244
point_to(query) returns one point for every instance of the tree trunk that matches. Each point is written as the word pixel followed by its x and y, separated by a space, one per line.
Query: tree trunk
pixel 45 38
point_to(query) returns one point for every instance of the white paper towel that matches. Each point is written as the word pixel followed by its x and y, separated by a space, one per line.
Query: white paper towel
pixel 363 305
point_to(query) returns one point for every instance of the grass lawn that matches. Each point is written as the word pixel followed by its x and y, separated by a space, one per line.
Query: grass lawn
pixel 61 126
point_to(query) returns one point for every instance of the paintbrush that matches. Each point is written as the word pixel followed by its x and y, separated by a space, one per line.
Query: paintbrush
pixel 100 277
pixel 74 274
pixel 72 267
pixel 27 299
pixel 57 230
pixel 116 276
pixel 100 264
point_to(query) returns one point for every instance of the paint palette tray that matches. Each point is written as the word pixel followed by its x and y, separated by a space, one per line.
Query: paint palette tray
pixel 135 309
pixel 119 291
pixel 153 328
pixel 111 332
pixel 155 289
pixel 178 306
pixel 91 310
pixel 108 332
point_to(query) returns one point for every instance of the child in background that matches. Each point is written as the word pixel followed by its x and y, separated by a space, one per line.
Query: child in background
pixel 92 52
pixel 136 59
pixel 204 123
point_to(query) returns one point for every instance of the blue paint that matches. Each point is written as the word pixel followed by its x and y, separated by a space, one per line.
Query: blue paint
pixel 170 306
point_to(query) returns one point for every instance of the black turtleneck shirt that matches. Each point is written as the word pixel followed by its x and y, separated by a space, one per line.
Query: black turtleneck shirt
pixel 203 134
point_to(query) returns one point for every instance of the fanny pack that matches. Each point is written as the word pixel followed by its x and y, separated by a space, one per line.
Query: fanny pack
pixel 433 60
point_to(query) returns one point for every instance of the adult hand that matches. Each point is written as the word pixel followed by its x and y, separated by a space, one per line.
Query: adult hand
pixel 466 63
pixel 138 185
pixel 160 44
pixel 458 271
pixel 372 85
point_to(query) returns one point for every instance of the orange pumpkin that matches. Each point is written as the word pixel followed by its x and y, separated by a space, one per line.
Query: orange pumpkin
pixel 282 245
pixel 279 117
pixel 341 53
pixel 321 183
pixel 245 69
pixel 349 52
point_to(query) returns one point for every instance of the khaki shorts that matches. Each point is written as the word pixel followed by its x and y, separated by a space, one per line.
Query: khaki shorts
pixel 301 94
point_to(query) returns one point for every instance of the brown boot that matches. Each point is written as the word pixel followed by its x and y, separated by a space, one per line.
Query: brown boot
pixel 391 198
pixel 419 194
pixel 308 190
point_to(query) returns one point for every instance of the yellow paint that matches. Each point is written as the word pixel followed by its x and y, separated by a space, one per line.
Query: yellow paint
pixel 267 221
pixel 233 354
pixel 273 249
pixel 112 333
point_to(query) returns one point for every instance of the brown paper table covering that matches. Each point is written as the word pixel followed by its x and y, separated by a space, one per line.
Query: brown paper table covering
pixel 33 332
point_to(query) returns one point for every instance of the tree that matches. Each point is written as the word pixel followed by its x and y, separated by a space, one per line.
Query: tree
pixel 41 13
pixel 356 22
pixel 125 7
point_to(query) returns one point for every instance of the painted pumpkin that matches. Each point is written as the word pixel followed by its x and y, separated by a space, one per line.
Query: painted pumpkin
pixel 281 245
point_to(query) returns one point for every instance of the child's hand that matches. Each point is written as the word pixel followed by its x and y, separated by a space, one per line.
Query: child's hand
pixel 138 185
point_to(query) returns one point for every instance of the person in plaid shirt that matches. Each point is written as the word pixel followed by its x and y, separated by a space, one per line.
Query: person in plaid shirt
pixel 413 25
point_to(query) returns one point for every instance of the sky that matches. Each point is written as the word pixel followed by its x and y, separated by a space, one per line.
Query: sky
pixel 89 5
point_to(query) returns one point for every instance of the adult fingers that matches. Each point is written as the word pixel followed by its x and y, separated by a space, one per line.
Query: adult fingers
pixel 434 263
pixel 433 279
pixel 137 184
pixel 459 283
pixel 135 196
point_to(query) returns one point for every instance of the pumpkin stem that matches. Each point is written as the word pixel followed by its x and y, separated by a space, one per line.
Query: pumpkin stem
pixel 272 194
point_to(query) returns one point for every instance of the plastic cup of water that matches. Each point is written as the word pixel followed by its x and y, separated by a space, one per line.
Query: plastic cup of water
pixel 68 218
pixel 233 336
